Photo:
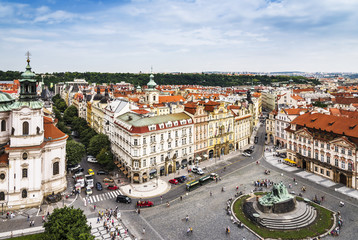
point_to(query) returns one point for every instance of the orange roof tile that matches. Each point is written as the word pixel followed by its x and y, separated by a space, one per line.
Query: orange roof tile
pixel 163 99
pixel 295 111
pixel 51 132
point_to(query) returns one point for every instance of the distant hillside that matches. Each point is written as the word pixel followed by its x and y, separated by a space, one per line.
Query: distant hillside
pixel 170 79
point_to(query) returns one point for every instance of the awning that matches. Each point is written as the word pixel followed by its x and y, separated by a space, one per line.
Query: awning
pixel 198 158
pixel 281 150
pixel 135 178
pixel 122 168
pixel 184 162
pixel 289 160
pixel 145 177
pixel 205 155
pixel 119 165
pixel 125 172
pixel 153 171
pixel 128 175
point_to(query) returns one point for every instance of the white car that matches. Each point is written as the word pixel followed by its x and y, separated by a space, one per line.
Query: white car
pixel 246 154
pixel 197 170
pixel 91 159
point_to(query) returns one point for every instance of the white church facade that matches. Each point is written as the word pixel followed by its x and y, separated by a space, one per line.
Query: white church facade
pixel 32 149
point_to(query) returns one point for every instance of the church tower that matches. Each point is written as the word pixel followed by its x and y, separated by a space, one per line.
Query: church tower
pixel 151 93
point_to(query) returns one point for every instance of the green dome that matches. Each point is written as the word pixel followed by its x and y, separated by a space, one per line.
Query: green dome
pixel 5 97
pixel 28 75
pixel 151 84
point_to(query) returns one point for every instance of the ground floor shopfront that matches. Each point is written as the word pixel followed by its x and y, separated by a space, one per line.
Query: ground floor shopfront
pixel 324 169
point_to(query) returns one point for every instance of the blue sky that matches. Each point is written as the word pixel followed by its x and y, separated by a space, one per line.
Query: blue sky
pixel 180 35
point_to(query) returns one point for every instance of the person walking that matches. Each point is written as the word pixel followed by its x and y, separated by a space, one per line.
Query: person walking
pixel 143 231
pixel 138 210
pixel 187 218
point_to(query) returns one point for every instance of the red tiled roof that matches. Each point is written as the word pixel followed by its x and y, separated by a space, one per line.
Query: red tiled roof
pixel 51 131
pixel 295 111
pixel 346 100
pixel 178 98
pixel 141 111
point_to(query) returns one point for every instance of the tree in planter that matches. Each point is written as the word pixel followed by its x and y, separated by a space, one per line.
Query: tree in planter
pixel 67 223
pixel 70 113
pixel 105 158
pixel 74 152
pixel 97 143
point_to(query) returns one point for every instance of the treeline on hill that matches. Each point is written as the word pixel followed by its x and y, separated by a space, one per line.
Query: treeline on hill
pixel 88 140
pixel 164 79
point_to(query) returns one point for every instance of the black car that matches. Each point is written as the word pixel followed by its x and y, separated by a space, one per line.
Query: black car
pixel 102 172
pixel 123 199
pixel 78 170
pixel 99 186
pixel 53 198
pixel 181 179
pixel 248 151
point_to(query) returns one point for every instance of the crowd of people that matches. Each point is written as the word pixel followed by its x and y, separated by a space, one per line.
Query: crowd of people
pixel 108 217
pixel 263 183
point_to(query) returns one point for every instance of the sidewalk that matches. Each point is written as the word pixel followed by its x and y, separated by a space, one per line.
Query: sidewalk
pixel 273 160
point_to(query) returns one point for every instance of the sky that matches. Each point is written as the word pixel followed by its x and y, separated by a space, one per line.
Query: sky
pixel 179 35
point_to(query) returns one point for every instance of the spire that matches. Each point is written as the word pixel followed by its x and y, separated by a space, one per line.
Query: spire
pixel 28 89
pixel 151 84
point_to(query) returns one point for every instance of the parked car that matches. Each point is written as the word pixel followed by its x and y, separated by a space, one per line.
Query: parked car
pixel 181 179
pixel 79 170
pixel 108 180
pixel 90 171
pixel 102 172
pixel 53 198
pixel 144 204
pixel 99 186
pixel 173 181
pixel 88 191
pixel 246 154
pixel 112 187
pixel 123 199
pixel 197 170
pixel 73 167
pixel 91 159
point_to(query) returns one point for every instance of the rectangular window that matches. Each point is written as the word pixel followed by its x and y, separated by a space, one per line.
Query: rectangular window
pixel 336 162
pixel 211 142
pixel 162 136
pixel 349 152
pixel 162 158
pixel 322 158
pixel 144 162
pixel 136 164
pixel 336 148
pixel 309 153
pixel 316 143
pixel 135 153
pixel 316 169
pixel 343 151
pixel 24 173
pixel 152 139
pixel 350 167
pixel 169 135
pixel 153 149
pixel 176 143
pixel 190 149
pixel 316 156
pixel 322 171
pixel 176 133
pixel 328 173
pixel 144 151
pixel 309 141
pixel 135 143
pixel 343 165
pixel 328 160
pixel 144 140
pixel 322 145
pixel 169 145
pixel 328 146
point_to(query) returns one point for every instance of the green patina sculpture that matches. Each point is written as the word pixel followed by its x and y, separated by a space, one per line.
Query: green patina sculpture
pixel 278 194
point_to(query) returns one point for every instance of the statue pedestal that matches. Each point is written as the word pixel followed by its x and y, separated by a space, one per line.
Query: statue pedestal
pixel 280 207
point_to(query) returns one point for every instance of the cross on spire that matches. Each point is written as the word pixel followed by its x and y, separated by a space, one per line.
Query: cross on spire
pixel 28 54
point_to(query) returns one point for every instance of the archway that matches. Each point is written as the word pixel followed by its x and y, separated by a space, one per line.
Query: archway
pixel 343 178
pixel 170 169
pixel 222 151
pixel 145 177
pixel 136 177
pixel 211 153
pixel 304 166
pixel 231 147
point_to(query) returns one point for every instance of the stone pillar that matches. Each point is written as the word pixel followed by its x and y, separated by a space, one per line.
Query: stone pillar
pixel 140 177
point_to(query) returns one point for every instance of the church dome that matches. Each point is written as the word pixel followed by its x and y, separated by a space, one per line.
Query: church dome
pixel 5 97
pixel 151 84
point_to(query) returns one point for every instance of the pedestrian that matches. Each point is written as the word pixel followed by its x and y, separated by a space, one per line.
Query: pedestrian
pixel 130 191
pixel 187 218
pixel 98 220
pixel 43 219
pixel 48 214
pixel 28 217
pixel 211 194
pixel 181 198
pixel 94 207
pixel 143 231
pixel 237 188
pixel 322 198
pixel 294 179
pixel 138 210
pixel 161 199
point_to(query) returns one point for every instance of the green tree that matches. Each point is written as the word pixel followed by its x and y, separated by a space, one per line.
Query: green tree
pixel 105 158
pixel 67 223
pixel 57 114
pixel 74 152
pixel 62 126
pixel 97 143
pixel 319 104
pixel 56 98
pixel 79 125
pixel 86 136
pixel 70 113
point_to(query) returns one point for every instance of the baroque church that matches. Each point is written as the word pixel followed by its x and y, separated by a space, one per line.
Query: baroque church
pixel 32 148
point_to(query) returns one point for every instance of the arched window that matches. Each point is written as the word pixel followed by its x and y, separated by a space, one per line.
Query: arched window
pixel 25 128
pixel 24 173
pixel 56 168
pixel 24 193
pixel 2 196
pixel 3 125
